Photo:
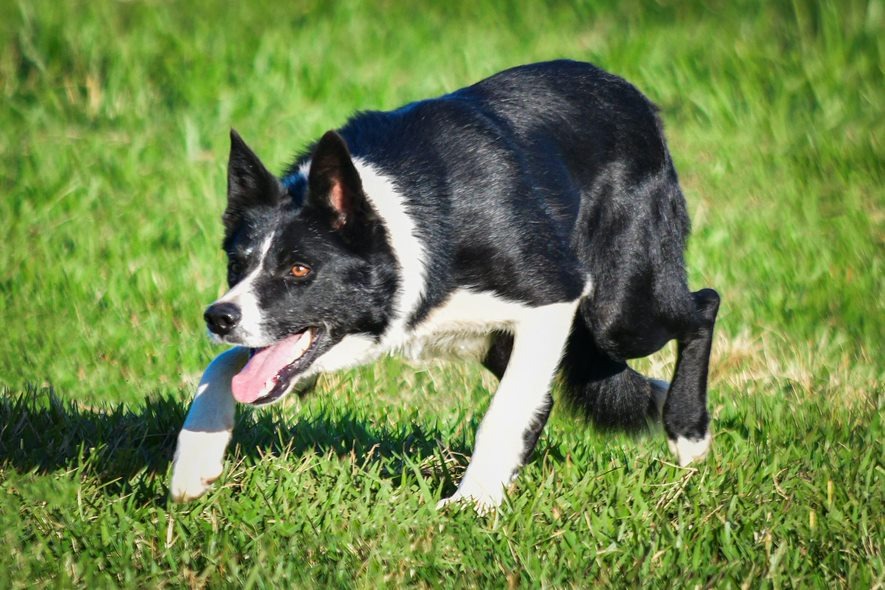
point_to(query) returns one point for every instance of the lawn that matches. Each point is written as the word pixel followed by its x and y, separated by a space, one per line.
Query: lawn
pixel 114 121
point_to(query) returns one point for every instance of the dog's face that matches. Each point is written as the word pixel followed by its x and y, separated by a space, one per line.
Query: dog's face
pixel 308 264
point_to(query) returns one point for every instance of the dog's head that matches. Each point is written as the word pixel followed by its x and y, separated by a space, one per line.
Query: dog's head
pixel 308 264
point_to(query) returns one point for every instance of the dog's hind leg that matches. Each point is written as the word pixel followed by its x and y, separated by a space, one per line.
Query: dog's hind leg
pixel 519 408
pixel 199 456
pixel 685 409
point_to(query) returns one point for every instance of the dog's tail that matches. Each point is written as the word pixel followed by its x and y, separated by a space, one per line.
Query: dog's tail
pixel 606 391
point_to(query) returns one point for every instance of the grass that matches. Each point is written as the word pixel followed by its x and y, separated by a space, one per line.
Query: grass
pixel 113 138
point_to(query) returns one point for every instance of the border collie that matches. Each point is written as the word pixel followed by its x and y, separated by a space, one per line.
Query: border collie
pixel 532 221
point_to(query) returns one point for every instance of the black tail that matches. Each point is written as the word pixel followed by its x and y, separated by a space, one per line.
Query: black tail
pixel 608 392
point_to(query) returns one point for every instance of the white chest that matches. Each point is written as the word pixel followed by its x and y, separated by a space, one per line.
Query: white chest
pixel 461 328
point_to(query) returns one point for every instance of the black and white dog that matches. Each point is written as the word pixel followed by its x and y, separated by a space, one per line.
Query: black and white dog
pixel 532 221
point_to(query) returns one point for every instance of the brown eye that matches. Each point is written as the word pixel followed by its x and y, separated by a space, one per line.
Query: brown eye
pixel 299 271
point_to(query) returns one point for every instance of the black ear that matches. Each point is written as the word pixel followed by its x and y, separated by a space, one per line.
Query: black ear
pixel 249 184
pixel 334 184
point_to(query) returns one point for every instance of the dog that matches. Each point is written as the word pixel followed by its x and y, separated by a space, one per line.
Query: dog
pixel 533 221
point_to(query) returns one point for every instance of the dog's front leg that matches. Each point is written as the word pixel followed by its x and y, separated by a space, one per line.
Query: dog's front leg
pixel 199 456
pixel 521 401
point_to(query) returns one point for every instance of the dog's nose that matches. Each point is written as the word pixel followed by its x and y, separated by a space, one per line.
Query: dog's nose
pixel 222 318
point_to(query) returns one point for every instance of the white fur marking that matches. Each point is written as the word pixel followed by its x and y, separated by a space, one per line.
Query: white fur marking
pixel 688 450
pixel 199 456
pixel 250 330
pixel 408 249
pixel 473 312
pixel 199 461
pixel 461 326
pixel 539 337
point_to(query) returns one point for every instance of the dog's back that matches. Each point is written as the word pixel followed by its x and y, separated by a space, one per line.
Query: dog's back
pixel 525 182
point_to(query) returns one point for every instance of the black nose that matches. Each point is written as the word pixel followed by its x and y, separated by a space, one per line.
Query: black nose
pixel 222 318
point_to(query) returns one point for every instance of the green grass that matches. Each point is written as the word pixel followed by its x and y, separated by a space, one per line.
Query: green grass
pixel 113 140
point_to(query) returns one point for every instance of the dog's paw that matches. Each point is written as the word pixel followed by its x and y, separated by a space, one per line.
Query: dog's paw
pixel 482 505
pixel 689 450
pixel 198 463
pixel 482 501
pixel 187 485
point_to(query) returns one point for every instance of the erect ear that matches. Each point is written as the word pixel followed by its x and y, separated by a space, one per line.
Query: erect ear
pixel 334 184
pixel 249 184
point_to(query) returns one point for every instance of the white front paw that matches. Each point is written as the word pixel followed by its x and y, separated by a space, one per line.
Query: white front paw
pixel 199 461
pixel 688 450
pixel 482 499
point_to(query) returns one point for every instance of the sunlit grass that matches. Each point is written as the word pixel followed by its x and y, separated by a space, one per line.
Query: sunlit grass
pixel 113 139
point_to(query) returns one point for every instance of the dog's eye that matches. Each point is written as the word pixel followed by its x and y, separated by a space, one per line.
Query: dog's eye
pixel 234 270
pixel 299 271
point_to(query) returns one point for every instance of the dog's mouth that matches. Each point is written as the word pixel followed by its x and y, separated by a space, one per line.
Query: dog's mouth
pixel 270 370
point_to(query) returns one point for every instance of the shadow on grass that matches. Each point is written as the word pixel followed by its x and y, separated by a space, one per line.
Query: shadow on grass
pixel 41 432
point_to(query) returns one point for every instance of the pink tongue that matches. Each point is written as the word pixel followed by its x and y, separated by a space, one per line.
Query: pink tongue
pixel 248 384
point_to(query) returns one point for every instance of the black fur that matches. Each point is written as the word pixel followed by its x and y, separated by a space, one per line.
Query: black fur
pixel 685 411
